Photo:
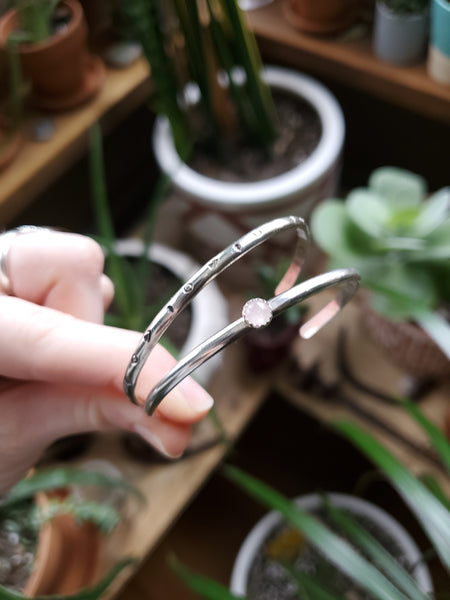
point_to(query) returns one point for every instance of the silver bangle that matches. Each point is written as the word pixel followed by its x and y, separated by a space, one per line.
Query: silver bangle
pixel 6 240
pixel 256 312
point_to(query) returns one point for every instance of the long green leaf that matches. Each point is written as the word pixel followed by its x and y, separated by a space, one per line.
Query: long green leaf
pixel 60 477
pixel 93 593
pixel 435 435
pixel 375 551
pixel 334 548
pixel 433 516
pixel 105 224
pixel 207 588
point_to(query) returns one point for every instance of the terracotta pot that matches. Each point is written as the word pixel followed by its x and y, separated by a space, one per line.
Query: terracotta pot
pixel 67 558
pixel 62 72
pixel 406 344
pixel 320 16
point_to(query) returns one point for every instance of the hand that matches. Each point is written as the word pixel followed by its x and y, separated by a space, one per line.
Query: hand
pixel 61 370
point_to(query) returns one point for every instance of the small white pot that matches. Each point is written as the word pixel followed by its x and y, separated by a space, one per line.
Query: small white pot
pixel 209 308
pixel 255 539
pixel 400 39
pixel 249 204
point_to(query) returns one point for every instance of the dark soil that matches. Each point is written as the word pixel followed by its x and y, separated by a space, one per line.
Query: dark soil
pixel 300 130
pixel 161 284
pixel 17 546
pixel 269 580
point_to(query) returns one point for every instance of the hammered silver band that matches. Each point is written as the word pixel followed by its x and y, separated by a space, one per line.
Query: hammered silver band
pixel 6 240
pixel 346 280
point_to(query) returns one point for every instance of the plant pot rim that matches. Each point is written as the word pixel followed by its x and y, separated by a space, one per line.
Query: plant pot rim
pixel 9 21
pixel 209 308
pixel 233 196
pixel 391 14
pixel 259 532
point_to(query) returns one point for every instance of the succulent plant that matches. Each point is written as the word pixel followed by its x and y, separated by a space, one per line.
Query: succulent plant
pixel 398 238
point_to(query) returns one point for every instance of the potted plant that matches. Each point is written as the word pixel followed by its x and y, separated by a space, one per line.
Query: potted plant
pixel 235 159
pixel 401 31
pixel 11 137
pixel 398 240
pixel 342 532
pixel 51 536
pixel 439 49
pixel 138 294
pixel 51 39
pixel 321 18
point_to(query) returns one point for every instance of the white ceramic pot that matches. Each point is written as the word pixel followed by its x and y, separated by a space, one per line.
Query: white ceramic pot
pixel 400 39
pixel 225 209
pixel 357 507
pixel 209 308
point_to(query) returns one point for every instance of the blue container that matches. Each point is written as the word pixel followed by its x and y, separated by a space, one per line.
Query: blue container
pixel 439 50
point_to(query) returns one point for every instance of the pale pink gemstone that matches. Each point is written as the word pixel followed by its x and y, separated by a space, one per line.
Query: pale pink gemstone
pixel 257 313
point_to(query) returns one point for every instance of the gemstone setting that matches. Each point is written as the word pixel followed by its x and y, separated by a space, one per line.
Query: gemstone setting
pixel 257 313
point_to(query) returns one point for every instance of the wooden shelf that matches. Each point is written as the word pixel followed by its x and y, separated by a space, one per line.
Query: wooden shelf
pixel 41 163
pixel 389 424
pixel 349 61
pixel 169 486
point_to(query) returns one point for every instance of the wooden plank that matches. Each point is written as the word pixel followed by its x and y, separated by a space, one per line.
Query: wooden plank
pixel 349 61
pixel 39 164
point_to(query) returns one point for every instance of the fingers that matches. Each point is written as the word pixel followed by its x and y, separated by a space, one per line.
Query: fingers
pixel 41 344
pixel 36 414
pixel 62 271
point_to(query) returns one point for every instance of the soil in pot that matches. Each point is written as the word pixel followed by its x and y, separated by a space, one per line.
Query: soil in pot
pixel 18 541
pixel 269 580
pixel 299 131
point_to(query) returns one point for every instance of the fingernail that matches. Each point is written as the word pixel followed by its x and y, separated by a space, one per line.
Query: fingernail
pixel 154 441
pixel 196 396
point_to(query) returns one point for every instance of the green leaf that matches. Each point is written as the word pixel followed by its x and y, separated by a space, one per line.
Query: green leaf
pixel 205 587
pixel 329 227
pixel 62 477
pixel 435 488
pixel 433 213
pixel 401 188
pixel 376 552
pixel 435 435
pixel 333 547
pixel 368 210
pixel 93 593
pixel 433 516
pixel 401 290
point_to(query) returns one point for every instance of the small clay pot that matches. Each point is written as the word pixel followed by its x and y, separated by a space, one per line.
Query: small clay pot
pixel 67 557
pixel 62 71
pixel 406 344
pixel 320 16
pixel 266 349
